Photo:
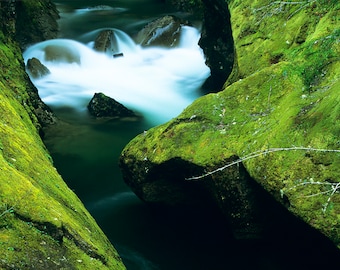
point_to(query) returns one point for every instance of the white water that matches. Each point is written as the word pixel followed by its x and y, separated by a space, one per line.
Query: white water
pixel 155 82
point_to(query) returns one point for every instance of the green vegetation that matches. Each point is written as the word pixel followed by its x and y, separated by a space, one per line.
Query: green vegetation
pixel 42 222
pixel 286 96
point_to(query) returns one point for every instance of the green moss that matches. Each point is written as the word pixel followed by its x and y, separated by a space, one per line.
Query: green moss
pixel 47 224
pixel 287 96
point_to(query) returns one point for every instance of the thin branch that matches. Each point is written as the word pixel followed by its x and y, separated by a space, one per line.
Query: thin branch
pixel 277 7
pixel 8 210
pixel 258 154
pixel 335 189
pixel 282 3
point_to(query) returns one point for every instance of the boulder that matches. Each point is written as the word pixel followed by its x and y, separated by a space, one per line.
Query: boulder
pixel 36 69
pixel 163 32
pixel 104 106
pixel 269 138
pixel 106 42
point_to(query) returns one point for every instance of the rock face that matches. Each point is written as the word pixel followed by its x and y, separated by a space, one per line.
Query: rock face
pixel 163 32
pixel 274 131
pixel 43 224
pixel 217 43
pixel 43 27
pixel 36 68
pixel 104 106
pixel 11 25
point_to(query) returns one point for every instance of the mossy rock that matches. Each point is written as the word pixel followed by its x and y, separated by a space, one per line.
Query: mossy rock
pixel 280 119
pixel 43 224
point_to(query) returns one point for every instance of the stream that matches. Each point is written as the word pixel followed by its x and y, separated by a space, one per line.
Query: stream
pixel 157 83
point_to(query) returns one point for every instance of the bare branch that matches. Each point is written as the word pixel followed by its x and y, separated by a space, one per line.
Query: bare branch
pixel 258 154
pixel 333 187
pixel 277 7
pixel 7 210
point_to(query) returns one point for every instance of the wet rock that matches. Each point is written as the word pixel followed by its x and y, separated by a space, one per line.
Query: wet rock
pixel 36 69
pixel 62 54
pixel 104 106
pixel 164 31
pixel 106 42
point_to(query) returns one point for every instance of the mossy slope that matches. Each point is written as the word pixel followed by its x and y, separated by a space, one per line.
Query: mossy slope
pixel 287 96
pixel 43 225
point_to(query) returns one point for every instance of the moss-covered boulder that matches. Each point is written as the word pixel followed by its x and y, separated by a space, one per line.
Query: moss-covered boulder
pixel 43 225
pixel 279 121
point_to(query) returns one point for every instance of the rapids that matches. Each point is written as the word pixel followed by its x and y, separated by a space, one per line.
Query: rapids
pixel 158 83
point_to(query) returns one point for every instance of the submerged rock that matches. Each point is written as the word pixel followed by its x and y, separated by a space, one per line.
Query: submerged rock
pixel 61 53
pixel 164 32
pixel 104 106
pixel 36 69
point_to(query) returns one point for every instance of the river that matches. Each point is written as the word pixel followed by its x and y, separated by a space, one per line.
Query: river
pixel 158 84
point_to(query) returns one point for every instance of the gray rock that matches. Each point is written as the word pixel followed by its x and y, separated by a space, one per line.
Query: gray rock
pixel 104 106
pixel 36 69
pixel 164 32
pixel 106 42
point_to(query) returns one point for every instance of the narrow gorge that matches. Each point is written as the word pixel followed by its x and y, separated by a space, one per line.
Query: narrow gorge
pixel 169 134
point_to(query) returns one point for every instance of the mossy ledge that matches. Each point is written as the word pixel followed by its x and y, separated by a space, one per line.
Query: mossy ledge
pixel 284 94
pixel 43 224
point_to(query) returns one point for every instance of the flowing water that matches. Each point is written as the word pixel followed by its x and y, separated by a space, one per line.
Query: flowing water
pixel 158 84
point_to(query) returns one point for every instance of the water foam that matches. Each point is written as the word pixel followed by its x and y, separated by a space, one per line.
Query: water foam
pixel 156 82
